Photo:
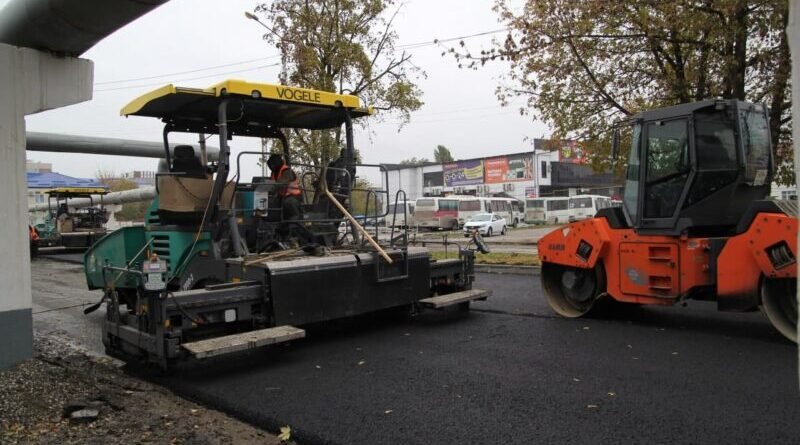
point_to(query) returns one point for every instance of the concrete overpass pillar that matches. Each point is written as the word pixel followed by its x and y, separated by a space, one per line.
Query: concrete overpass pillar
pixel 30 81
pixel 793 35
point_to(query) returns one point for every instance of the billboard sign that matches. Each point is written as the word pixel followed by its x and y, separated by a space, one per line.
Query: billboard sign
pixel 509 169
pixel 463 173
pixel 572 153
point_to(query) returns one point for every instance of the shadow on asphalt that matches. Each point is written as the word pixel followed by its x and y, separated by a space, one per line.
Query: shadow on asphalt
pixel 697 320
pixel 752 326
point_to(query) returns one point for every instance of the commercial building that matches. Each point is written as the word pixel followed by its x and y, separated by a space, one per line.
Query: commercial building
pixel 142 178
pixel 38 167
pixel 783 191
pixel 550 169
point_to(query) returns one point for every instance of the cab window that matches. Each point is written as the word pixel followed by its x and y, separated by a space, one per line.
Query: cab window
pixel 631 193
pixel 755 132
pixel 667 167
pixel 716 152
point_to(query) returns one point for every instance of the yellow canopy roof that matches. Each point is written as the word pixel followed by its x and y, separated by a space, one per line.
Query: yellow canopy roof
pixel 266 104
pixel 78 191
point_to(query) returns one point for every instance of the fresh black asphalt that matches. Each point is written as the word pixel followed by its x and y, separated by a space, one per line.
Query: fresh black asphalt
pixel 511 372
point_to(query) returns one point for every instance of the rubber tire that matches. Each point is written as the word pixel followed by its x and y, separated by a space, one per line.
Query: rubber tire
pixel 489 233
pixel 504 231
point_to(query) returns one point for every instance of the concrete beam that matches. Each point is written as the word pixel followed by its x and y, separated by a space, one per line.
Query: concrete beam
pixel 30 82
pixel 68 27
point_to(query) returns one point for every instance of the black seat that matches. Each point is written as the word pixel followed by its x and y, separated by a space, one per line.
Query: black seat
pixel 185 162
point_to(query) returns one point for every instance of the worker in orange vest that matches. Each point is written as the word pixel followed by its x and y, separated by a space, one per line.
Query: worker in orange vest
pixel 288 190
pixel 33 234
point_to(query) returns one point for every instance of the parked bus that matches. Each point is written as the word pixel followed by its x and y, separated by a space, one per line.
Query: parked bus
pixel 452 212
pixel 437 213
pixel 585 206
pixel 401 214
pixel 468 206
pixel 547 210
pixel 507 208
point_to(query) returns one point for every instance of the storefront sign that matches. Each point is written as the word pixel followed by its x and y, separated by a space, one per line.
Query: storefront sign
pixel 463 173
pixel 508 169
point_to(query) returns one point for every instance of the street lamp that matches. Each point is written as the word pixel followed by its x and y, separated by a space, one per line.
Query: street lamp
pixel 255 18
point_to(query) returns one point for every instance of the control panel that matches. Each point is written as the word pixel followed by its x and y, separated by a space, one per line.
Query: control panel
pixel 154 275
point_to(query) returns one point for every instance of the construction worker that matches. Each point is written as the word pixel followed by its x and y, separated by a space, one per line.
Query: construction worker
pixel 288 191
pixel 33 235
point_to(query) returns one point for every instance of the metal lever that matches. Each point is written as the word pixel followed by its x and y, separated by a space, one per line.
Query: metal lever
pixel 353 221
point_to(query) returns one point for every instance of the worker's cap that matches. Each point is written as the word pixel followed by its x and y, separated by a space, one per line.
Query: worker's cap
pixel 274 160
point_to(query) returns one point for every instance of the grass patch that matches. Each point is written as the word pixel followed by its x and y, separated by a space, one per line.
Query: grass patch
pixel 509 258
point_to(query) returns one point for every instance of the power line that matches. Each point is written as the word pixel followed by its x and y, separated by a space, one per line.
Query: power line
pixel 416 45
pixel 455 119
pixel 186 72
pixel 128 87
pixel 450 39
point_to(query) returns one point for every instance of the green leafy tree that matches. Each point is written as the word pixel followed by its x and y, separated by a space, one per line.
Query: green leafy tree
pixel 342 46
pixel 364 202
pixel 441 154
pixel 581 66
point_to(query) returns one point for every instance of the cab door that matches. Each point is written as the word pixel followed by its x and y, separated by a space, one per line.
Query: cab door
pixel 666 169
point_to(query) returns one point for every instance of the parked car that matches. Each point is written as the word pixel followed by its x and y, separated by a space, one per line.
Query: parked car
pixel 486 224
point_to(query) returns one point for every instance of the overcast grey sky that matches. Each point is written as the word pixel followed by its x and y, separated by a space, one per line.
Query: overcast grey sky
pixel 460 111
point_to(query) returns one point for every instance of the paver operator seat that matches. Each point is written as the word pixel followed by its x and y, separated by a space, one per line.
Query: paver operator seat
pixel 187 163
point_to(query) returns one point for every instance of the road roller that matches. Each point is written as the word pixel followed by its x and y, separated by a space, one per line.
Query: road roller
pixel 696 221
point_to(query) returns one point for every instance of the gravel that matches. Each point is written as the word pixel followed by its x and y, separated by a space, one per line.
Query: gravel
pixel 63 396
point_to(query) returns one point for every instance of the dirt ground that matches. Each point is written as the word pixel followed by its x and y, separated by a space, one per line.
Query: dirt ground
pixel 62 396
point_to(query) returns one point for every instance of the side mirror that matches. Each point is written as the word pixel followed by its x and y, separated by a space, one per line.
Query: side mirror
pixel 615 144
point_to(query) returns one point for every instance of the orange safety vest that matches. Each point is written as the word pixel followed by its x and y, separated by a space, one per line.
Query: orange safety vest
pixel 292 189
pixel 34 234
